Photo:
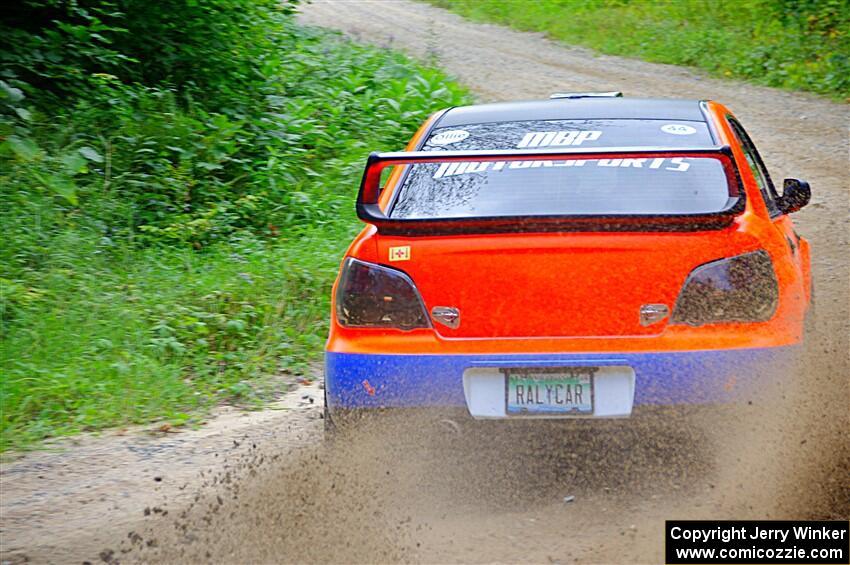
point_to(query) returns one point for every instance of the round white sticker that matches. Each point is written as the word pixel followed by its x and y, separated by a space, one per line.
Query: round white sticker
pixel 678 129
pixel 447 137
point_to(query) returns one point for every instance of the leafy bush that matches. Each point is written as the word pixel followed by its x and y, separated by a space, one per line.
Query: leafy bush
pixel 170 235
pixel 215 46
pixel 797 44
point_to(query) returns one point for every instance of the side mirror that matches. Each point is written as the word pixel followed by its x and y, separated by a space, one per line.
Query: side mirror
pixel 795 194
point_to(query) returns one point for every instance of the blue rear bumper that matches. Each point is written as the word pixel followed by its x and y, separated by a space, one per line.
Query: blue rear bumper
pixel 354 380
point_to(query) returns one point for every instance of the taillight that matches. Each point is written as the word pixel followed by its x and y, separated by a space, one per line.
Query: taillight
pixel 737 289
pixel 374 296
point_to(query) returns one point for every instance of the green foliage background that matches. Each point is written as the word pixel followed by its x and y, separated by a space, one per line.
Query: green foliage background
pixel 177 181
pixel 796 44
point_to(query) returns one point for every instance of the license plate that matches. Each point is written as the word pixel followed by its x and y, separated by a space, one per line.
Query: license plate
pixel 549 391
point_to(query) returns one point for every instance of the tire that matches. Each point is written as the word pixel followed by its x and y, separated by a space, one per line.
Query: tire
pixel 810 321
pixel 336 423
pixel 329 425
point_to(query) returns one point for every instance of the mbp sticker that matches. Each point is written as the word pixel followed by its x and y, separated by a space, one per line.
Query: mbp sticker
pixel 557 138
pixel 678 129
pixel 400 253
pixel 447 170
pixel 449 137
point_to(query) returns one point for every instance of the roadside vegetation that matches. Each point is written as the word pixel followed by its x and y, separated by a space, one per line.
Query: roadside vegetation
pixel 793 44
pixel 177 182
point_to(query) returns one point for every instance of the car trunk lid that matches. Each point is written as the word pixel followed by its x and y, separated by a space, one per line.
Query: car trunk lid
pixel 552 284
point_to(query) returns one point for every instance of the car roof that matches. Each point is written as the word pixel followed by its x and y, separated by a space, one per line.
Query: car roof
pixel 574 109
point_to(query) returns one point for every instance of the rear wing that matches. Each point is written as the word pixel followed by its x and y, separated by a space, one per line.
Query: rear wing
pixel 369 209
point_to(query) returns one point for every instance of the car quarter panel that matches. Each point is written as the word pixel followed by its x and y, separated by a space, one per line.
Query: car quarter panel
pixel 788 251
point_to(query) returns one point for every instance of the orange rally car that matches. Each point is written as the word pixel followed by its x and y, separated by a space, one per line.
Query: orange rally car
pixel 577 257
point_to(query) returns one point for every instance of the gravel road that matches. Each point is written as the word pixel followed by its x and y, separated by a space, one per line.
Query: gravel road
pixel 261 487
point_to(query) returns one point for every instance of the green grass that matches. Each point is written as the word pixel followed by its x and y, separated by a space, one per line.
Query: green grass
pixel 142 335
pixel 163 254
pixel 793 44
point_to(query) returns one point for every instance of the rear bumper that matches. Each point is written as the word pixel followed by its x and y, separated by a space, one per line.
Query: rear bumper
pixel 355 380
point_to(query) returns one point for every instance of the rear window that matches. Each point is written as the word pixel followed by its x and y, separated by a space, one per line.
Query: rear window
pixel 632 186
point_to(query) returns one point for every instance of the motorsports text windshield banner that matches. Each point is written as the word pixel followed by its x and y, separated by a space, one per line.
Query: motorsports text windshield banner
pixel 613 185
pixel 552 184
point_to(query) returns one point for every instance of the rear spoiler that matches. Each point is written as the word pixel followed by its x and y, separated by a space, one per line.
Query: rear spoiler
pixel 369 210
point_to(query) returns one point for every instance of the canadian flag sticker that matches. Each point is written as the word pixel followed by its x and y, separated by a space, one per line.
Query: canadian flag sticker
pixel 400 253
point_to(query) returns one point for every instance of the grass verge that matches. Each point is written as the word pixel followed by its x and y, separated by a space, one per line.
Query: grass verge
pixel 793 44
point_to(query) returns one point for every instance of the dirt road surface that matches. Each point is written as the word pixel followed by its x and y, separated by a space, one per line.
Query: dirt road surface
pixel 261 487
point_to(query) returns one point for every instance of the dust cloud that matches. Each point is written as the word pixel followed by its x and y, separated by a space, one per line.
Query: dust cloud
pixel 412 489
